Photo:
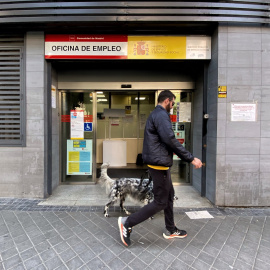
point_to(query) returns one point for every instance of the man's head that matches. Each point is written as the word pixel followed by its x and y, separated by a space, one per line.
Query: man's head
pixel 166 99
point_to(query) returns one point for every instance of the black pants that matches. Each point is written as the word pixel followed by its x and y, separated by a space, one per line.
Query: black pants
pixel 163 200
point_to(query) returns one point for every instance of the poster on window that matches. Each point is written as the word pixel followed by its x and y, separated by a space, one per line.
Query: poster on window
pixel 77 124
pixel 79 157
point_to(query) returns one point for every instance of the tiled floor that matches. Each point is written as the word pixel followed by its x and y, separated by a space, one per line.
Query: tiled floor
pixel 69 231
pixel 95 195
pixel 47 238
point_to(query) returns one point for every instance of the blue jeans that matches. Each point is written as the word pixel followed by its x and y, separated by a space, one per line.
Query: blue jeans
pixel 163 200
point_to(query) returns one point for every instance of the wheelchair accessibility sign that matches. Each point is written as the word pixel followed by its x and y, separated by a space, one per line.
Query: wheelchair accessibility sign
pixel 88 127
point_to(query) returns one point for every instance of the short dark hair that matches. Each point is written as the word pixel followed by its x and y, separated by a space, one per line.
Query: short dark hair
pixel 164 95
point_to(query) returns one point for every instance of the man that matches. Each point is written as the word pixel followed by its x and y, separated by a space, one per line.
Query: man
pixel 158 148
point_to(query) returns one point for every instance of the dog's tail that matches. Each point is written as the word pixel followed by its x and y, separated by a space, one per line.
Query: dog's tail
pixel 104 179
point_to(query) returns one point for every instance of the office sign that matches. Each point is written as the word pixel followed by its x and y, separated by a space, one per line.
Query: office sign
pixel 85 46
pixel 169 47
pixel 127 47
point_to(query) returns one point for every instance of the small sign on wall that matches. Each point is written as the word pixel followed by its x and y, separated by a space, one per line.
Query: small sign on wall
pixel 244 112
pixel 222 91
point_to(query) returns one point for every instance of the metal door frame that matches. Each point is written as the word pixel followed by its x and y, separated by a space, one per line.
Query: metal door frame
pixel 60 91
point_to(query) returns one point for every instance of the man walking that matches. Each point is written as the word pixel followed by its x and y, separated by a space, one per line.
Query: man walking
pixel 158 148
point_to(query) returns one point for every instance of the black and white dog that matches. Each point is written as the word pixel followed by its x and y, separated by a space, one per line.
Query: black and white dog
pixel 140 190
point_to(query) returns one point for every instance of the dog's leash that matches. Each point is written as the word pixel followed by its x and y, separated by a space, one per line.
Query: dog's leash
pixel 141 182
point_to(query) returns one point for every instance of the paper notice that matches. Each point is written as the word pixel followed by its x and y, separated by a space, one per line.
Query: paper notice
pixel 199 214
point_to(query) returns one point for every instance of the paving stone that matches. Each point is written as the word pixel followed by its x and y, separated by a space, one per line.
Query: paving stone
pixel 29 253
pixel 145 256
pixel 192 249
pixel 61 267
pixel 86 256
pixel 221 265
pixel 206 258
pixel 62 246
pixel 9 253
pixel 211 250
pixel 261 265
pixel 107 256
pixel 241 265
pixel 116 264
pixel 74 263
pixel 95 263
pixel 80 247
pixel 225 257
pixel 42 246
pixel 200 265
pixel 155 250
pixel 39 267
pixel 179 265
pixel 47 254
pixel 12 262
pixel 137 264
pixel 186 258
pixel 67 255
pixel 32 262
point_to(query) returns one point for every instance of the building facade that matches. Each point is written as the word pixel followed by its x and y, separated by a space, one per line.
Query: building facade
pixel 221 115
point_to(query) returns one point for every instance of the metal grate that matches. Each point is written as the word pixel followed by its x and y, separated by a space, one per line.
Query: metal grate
pixel 11 96
pixel 246 11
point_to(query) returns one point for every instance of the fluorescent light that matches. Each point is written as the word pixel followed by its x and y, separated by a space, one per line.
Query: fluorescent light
pixel 99 92
pixel 102 99
pixel 141 98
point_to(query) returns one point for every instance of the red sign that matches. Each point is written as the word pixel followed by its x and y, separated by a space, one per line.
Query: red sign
pixel 173 118
pixel 87 118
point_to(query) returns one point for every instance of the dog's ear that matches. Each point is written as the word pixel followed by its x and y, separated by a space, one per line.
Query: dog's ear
pixel 105 165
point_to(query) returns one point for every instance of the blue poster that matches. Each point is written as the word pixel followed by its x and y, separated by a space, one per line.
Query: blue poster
pixel 84 167
pixel 84 156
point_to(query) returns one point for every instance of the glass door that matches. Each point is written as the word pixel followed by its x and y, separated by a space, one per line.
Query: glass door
pixel 77 137
pixel 121 117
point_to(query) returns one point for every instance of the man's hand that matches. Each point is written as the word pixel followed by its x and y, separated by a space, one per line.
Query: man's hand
pixel 197 163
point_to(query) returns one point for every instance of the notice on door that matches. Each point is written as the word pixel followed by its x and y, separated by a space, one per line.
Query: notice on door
pixel 79 157
pixel 184 112
pixel 77 124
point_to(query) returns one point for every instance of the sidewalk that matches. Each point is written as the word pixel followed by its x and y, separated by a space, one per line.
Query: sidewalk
pixel 36 236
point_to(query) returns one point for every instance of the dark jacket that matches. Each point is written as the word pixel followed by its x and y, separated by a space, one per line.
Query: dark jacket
pixel 159 140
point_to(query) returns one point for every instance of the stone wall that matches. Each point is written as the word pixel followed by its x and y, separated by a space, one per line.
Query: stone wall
pixel 23 170
pixel 243 148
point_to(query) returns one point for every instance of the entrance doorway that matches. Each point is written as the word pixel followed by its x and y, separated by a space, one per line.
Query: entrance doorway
pixel 114 118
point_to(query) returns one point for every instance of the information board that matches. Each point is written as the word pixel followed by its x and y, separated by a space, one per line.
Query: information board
pixel 244 112
pixel 79 157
